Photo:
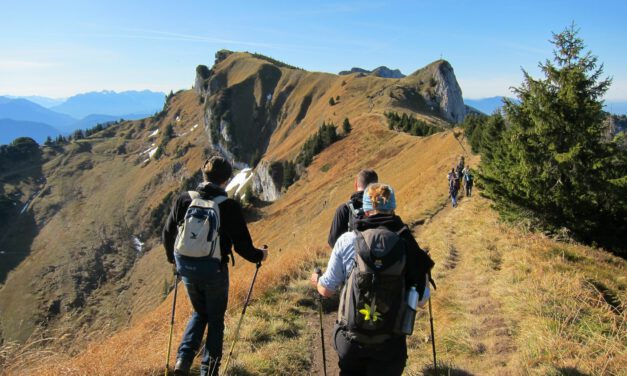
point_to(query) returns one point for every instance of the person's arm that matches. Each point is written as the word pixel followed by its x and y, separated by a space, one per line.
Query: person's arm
pixel 335 274
pixel 170 230
pixel 339 225
pixel 418 264
pixel 236 229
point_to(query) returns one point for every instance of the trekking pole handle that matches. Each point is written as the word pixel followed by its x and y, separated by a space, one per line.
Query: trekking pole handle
pixel 265 247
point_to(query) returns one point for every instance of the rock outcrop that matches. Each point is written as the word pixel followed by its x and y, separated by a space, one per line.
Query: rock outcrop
pixel 448 93
pixel 267 181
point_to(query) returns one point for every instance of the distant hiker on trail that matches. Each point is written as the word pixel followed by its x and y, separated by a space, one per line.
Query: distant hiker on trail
pixel 347 213
pixel 468 181
pixel 453 186
pixel 460 165
pixel 199 233
pixel 383 256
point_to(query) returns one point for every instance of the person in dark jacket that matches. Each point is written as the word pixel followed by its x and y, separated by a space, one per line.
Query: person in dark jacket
pixel 389 357
pixel 206 278
pixel 343 214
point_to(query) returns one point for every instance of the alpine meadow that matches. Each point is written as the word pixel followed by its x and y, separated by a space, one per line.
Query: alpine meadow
pixel 530 273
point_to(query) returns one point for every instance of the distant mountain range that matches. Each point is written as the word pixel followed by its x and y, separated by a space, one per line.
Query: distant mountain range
pixel 111 103
pixel 11 129
pixel 491 104
pixel 28 116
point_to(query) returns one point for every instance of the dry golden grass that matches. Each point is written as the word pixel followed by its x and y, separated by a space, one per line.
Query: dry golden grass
pixel 295 228
pixel 511 302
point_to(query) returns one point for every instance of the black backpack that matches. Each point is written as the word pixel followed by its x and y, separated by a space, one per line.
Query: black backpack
pixel 354 215
pixel 372 301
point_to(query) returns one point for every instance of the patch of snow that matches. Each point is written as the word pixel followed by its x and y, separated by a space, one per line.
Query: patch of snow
pixel 178 118
pixel 153 134
pixel 146 161
pixel 195 126
pixel 152 152
pixel 239 182
pixel 137 244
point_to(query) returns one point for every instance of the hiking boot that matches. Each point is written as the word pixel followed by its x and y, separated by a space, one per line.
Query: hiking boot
pixel 182 366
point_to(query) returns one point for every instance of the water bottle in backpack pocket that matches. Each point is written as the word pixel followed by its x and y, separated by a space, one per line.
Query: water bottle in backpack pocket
pixel 198 234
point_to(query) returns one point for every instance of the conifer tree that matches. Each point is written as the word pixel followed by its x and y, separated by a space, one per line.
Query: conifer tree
pixel 346 126
pixel 552 159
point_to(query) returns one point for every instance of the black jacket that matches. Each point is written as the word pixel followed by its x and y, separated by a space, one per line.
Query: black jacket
pixel 342 216
pixel 233 229
pixel 419 263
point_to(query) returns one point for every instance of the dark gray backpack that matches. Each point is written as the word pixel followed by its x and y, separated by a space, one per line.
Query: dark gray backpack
pixel 372 300
pixel 353 215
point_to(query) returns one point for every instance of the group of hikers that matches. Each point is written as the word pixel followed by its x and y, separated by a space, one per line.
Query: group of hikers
pixel 377 267
pixel 455 177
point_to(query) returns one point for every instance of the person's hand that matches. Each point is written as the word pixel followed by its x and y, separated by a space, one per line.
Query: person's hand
pixel 313 280
pixel 264 250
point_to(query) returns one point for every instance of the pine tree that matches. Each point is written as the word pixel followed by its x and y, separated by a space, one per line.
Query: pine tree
pixel 346 126
pixel 552 158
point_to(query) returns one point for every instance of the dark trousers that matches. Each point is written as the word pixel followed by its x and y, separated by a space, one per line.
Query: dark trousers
pixel 468 189
pixel 209 297
pixel 386 359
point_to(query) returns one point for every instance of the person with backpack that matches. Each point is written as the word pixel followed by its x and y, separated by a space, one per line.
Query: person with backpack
pixel 348 212
pixel 382 270
pixel 468 181
pixel 199 233
pixel 453 188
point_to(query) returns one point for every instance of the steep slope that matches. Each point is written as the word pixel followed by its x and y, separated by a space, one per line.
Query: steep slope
pixel 295 228
pixel 86 273
pixel 256 110
pixel 96 197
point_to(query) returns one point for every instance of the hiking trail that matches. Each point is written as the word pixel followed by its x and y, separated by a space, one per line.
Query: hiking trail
pixel 460 283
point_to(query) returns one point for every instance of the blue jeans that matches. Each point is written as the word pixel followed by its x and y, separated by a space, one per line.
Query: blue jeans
pixel 209 297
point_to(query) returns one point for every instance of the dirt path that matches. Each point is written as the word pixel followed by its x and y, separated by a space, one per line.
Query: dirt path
pixel 328 321
pixel 330 315
pixel 463 278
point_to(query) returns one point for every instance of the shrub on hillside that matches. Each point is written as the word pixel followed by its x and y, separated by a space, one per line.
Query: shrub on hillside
pixel 409 124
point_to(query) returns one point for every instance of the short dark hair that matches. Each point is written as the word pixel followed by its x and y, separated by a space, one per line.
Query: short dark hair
pixel 217 170
pixel 366 177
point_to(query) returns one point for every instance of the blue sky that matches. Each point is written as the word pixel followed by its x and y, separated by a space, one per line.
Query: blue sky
pixel 61 48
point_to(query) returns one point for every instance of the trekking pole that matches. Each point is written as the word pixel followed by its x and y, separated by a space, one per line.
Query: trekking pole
pixel 167 359
pixel 324 352
pixel 435 364
pixel 239 324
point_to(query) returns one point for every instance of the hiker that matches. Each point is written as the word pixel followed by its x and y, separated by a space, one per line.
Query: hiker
pixel 468 180
pixel 206 278
pixel 460 165
pixel 368 334
pixel 453 186
pixel 347 213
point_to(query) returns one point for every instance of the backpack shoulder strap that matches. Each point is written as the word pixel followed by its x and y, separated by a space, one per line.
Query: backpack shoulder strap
pixel 193 194
pixel 219 199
